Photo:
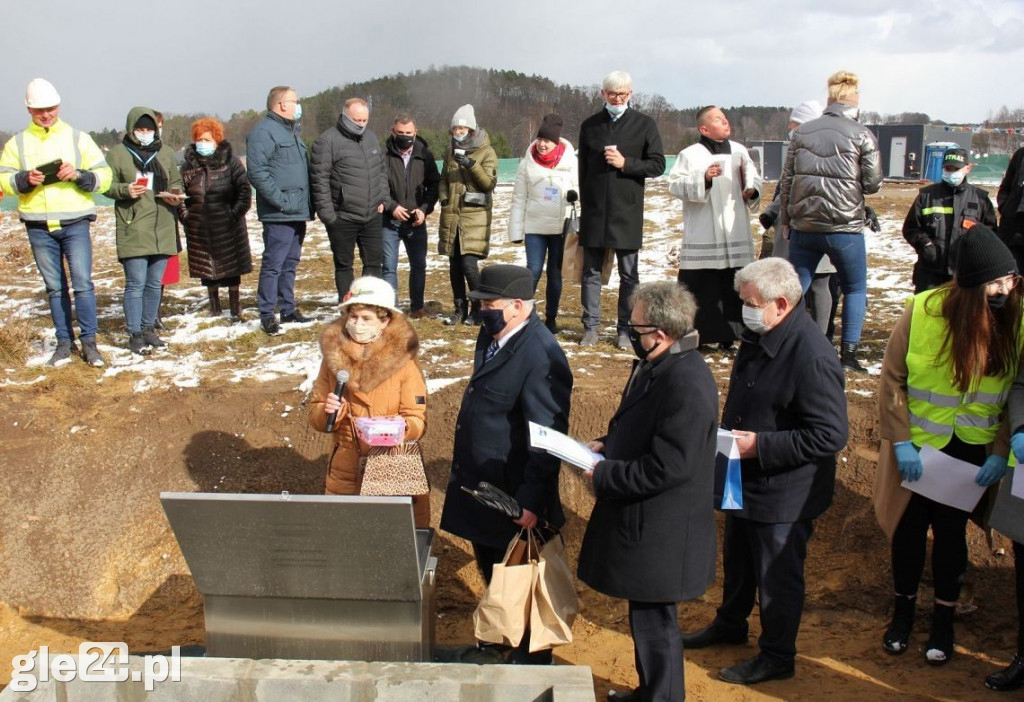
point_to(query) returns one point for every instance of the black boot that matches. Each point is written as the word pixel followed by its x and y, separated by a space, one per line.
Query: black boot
pixel 939 648
pixel 234 304
pixel 848 357
pixel 214 293
pixel 1009 678
pixel 472 317
pixel 459 315
pixel 895 639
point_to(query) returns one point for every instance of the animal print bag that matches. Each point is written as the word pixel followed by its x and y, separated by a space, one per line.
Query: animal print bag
pixel 392 470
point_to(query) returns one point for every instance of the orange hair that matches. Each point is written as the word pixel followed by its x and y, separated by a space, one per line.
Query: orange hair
pixel 208 124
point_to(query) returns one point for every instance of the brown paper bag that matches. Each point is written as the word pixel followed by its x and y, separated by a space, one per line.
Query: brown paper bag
pixel 572 261
pixel 504 611
pixel 555 603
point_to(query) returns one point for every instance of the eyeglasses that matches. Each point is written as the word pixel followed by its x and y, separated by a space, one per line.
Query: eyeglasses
pixel 1004 284
pixel 651 328
pixel 618 96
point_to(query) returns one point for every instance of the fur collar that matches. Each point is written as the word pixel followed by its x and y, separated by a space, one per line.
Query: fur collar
pixel 369 365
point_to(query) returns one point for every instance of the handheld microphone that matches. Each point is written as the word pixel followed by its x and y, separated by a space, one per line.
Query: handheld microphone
pixel 342 378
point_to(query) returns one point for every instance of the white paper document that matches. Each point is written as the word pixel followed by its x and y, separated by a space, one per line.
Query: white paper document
pixel 1017 485
pixel 566 448
pixel 727 443
pixel 947 480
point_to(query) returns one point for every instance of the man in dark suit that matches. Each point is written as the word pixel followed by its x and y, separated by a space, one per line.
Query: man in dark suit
pixel 619 149
pixel 787 408
pixel 520 375
pixel 651 536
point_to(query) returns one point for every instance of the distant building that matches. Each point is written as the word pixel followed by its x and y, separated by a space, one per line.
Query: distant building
pixel 770 157
pixel 904 149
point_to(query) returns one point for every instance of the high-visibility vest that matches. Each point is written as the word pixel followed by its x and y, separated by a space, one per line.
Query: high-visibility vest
pixel 61 201
pixel 938 409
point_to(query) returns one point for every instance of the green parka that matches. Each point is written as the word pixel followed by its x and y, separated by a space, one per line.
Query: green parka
pixel 145 225
pixel 470 223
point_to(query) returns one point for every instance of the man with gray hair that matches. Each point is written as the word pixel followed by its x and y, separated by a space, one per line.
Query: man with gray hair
pixel 787 409
pixel 619 148
pixel 350 186
pixel 659 456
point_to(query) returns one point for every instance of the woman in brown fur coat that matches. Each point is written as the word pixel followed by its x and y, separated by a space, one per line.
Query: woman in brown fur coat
pixel 374 342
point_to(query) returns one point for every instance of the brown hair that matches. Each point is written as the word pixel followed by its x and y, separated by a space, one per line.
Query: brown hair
pixel 275 95
pixel 208 124
pixel 381 312
pixel 979 341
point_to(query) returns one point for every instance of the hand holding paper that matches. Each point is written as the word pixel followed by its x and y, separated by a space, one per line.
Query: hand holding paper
pixel 566 448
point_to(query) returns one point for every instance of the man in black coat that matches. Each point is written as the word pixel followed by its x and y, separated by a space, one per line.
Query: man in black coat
pixel 619 149
pixel 651 536
pixel 787 409
pixel 413 179
pixel 520 375
pixel 1010 199
pixel 349 186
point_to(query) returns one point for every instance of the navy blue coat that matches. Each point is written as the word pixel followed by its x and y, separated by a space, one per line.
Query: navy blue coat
pixel 528 380
pixel 651 536
pixel 278 168
pixel 788 387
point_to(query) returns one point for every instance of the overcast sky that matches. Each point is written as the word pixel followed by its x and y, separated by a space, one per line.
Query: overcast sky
pixel 956 61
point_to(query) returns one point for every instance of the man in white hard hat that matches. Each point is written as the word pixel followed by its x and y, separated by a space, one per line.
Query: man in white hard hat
pixel 54 170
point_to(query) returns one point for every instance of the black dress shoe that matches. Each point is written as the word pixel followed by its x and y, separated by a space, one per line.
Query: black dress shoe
pixel 757 669
pixel 624 695
pixel 1009 678
pixel 295 317
pixel 714 635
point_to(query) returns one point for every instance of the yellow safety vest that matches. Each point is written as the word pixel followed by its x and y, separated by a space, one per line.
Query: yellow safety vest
pixel 938 409
pixel 61 201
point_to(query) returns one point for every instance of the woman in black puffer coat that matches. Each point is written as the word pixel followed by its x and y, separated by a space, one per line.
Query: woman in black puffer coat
pixel 218 196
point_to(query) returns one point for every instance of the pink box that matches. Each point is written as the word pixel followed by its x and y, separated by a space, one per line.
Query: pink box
pixel 380 431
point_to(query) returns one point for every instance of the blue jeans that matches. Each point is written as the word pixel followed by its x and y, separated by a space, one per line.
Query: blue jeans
pixel 142 290
pixel 50 250
pixel 847 252
pixel 282 247
pixel 415 240
pixel 537 246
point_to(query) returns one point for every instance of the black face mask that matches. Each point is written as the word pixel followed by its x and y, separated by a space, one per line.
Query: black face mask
pixel 634 340
pixel 404 141
pixel 996 302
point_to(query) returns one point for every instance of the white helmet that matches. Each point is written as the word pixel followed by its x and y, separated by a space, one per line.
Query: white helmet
pixel 41 93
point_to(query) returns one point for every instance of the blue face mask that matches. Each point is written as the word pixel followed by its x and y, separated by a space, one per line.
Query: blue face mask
pixel 145 138
pixel 954 178
pixel 461 137
pixel 298 112
pixel 616 110
pixel 205 148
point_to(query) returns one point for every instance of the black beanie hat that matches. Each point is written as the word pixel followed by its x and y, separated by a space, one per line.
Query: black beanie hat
pixel 145 122
pixel 550 128
pixel 982 257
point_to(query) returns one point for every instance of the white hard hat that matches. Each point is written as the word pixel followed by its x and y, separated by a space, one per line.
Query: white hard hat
pixel 41 93
pixel 371 291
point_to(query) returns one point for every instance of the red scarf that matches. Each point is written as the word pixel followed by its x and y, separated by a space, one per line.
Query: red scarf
pixel 553 157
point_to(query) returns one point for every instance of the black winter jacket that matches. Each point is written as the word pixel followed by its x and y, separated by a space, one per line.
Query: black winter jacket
pixel 346 175
pixel 415 187
pixel 219 195
pixel 1011 206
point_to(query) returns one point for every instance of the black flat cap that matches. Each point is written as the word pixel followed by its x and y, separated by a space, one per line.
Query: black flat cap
pixel 505 282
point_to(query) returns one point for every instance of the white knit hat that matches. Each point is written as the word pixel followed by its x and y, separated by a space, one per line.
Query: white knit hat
pixel 371 291
pixel 806 111
pixel 465 117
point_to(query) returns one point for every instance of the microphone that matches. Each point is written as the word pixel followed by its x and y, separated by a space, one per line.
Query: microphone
pixel 342 378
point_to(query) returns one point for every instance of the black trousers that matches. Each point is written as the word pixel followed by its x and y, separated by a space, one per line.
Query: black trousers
pixel 949 548
pixel 344 237
pixel 768 560
pixel 719 307
pixel 463 270
pixel 1018 572
pixel 658 650
pixel 486 558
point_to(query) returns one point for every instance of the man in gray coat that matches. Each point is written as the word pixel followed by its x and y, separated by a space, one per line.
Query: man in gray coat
pixel 350 186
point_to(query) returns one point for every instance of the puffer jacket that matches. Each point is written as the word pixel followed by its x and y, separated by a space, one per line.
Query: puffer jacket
pixel 146 225
pixel 347 176
pixel 219 195
pixel 832 163
pixel 470 224
pixel 384 381
pixel 538 200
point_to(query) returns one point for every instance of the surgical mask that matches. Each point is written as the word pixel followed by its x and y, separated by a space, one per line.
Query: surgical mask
pixel 638 348
pixel 298 112
pixel 493 320
pixel 145 138
pixel 356 129
pixel 362 333
pixel 753 319
pixel 616 110
pixel 205 148
pixel 461 137
pixel 404 141
pixel 996 302
pixel 954 178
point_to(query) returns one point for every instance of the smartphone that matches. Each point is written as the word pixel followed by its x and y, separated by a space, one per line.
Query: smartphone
pixel 49 171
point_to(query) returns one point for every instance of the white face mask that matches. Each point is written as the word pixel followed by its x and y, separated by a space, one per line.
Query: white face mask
pixel 144 138
pixel 753 319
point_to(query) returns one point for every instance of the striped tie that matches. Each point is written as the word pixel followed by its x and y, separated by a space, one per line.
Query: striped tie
pixel 492 349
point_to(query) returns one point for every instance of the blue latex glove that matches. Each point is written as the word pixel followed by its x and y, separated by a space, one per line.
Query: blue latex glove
pixel 1017 444
pixel 992 471
pixel 907 461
